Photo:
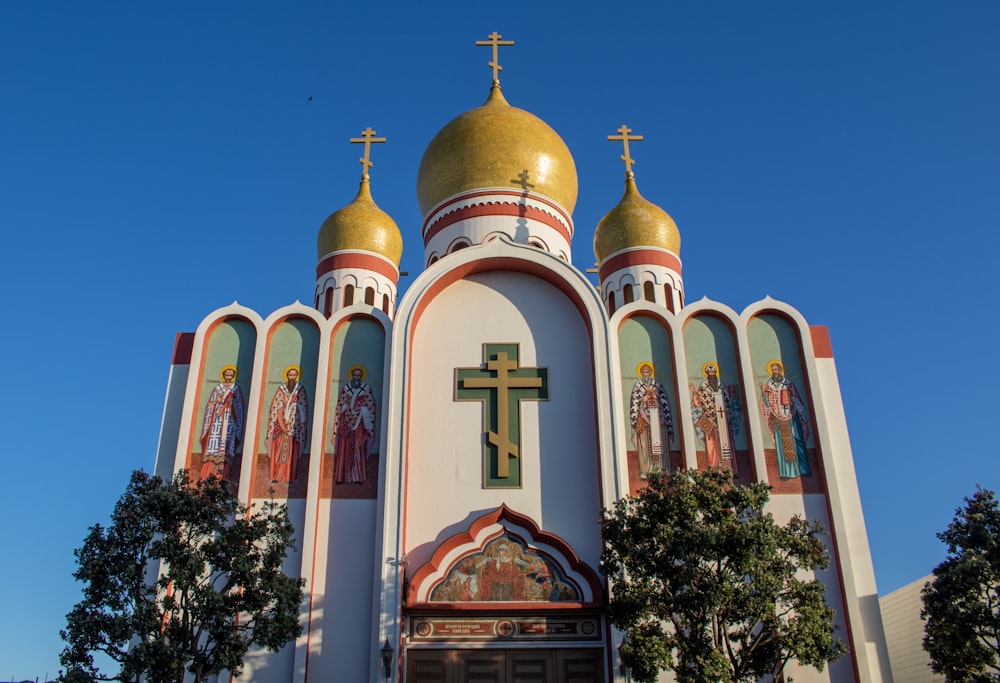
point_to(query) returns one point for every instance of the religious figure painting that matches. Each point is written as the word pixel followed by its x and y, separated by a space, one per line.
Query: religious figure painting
pixel 652 425
pixel 787 420
pixel 287 424
pixel 222 425
pixel 505 571
pixel 354 431
pixel 717 414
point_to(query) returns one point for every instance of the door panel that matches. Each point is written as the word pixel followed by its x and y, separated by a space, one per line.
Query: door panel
pixel 428 666
pixel 580 666
pixel 480 666
pixel 506 666
pixel 529 666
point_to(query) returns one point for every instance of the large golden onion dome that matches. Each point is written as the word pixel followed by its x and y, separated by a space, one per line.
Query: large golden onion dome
pixel 492 146
pixel 361 225
pixel 635 222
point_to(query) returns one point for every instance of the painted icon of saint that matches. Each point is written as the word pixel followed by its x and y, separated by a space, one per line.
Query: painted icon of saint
pixel 787 420
pixel 354 431
pixel 286 426
pixel 222 425
pixel 652 425
pixel 716 412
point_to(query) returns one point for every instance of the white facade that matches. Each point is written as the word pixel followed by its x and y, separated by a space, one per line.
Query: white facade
pixel 459 444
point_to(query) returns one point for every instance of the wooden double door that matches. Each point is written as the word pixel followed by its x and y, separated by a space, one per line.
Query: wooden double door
pixel 521 665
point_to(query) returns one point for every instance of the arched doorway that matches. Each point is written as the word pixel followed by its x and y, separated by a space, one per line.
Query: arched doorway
pixel 505 603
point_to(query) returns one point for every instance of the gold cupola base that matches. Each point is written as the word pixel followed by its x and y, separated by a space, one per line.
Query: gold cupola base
pixel 637 245
pixel 496 170
pixel 358 250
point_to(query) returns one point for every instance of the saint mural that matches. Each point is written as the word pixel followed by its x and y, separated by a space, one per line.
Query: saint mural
pixel 286 426
pixel 354 431
pixel 505 572
pixel 787 420
pixel 222 425
pixel 652 426
pixel 716 412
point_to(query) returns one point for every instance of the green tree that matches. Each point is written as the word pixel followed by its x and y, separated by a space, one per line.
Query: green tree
pixel 706 584
pixel 962 603
pixel 184 579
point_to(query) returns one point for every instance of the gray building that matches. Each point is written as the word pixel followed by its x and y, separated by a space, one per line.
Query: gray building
pixel 904 634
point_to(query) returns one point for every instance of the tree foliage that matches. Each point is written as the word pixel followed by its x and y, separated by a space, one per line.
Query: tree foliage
pixel 182 580
pixel 706 584
pixel 962 603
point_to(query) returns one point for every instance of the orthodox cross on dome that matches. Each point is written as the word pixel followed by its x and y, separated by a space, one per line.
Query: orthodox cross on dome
pixel 367 140
pixel 501 384
pixel 625 137
pixel 494 40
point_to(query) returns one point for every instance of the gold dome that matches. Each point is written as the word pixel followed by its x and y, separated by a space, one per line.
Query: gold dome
pixel 492 146
pixel 361 225
pixel 635 222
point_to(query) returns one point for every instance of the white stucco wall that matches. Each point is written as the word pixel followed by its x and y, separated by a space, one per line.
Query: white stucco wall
pixel 559 461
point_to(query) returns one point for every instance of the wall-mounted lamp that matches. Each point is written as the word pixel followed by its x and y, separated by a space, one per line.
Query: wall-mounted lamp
pixel 386 653
pixel 623 668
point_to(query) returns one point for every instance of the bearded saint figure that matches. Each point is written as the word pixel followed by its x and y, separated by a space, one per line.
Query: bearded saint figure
pixel 787 420
pixel 501 574
pixel 222 425
pixel 716 419
pixel 286 427
pixel 652 426
pixel 354 431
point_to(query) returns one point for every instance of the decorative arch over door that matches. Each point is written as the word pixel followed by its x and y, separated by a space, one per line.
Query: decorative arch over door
pixel 504 560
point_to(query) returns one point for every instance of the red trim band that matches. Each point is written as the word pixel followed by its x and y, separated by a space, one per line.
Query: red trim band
pixel 639 257
pixel 498 208
pixel 183 346
pixel 822 347
pixel 358 260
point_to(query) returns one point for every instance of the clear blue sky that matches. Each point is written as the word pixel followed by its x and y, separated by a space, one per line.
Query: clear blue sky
pixel 159 160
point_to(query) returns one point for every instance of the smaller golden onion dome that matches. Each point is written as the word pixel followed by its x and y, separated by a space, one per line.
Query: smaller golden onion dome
pixel 361 225
pixel 635 222
pixel 493 146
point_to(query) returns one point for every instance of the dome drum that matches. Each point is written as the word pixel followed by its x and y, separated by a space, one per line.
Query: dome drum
pixel 649 274
pixel 348 278
pixel 476 217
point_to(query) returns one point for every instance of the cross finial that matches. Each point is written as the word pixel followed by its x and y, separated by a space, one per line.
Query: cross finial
pixel 625 138
pixel 494 40
pixel 367 139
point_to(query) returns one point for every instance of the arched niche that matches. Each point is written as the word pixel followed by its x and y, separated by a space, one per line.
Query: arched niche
pixel 504 560
pixel 654 441
pixel 718 406
pixel 783 404
pixel 282 464
pixel 351 445
pixel 221 409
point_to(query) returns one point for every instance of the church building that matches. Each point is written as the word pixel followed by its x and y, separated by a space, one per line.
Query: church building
pixel 445 453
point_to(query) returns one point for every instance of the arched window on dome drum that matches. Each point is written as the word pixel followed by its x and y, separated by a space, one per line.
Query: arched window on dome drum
pixel 460 245
pixel 670 297
pixel 629 296
pixel 348 295
pixel 611 303
pixel 647 291
pixel 369 296
pixel 434 259
pixel 328 304
pixel 385 304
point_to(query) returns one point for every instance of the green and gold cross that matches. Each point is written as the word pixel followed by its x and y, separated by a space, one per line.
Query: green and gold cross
pixel 501 384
